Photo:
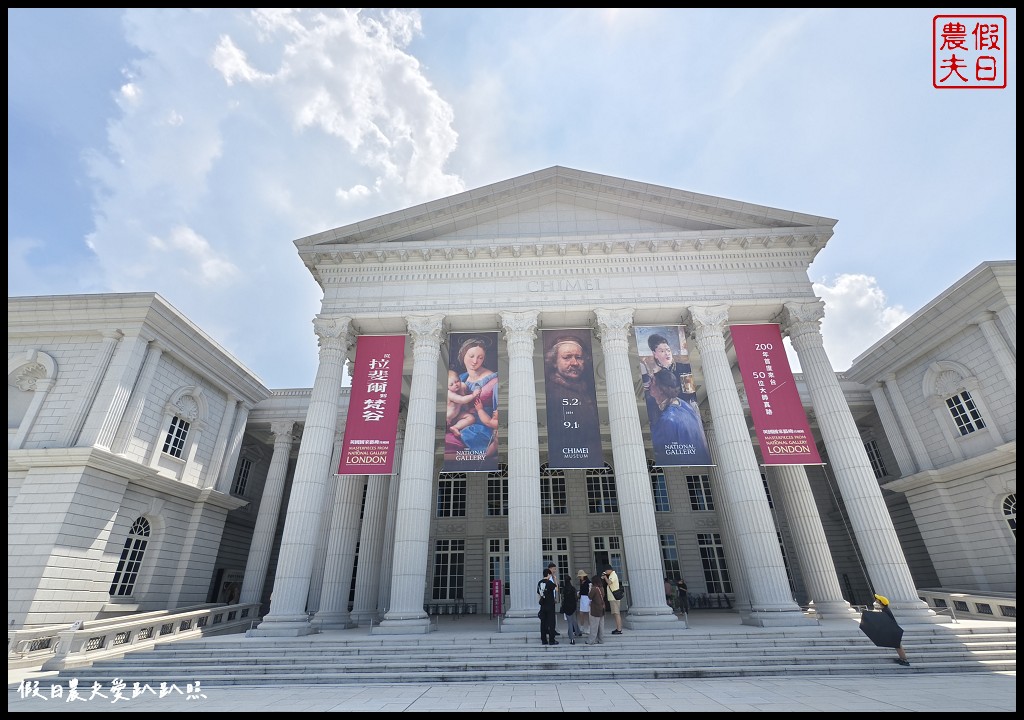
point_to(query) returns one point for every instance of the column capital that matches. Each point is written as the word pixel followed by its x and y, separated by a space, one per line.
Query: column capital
pixel 613 322
pixel 705 317
pixel 425 328
pixel 800 313
pixel 282 430
pixel 515 323
pixel 333 331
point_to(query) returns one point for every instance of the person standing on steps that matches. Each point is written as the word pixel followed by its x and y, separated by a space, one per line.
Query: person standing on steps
pixel 597 607
pixel 901 654
pixel 568 609
pixel 611 579
pixel 584 611
pixel 547 589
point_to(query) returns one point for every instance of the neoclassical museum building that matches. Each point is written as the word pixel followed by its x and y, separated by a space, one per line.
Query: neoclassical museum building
pixel 148 469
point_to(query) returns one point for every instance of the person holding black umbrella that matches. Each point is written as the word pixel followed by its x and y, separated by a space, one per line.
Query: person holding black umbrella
pixel 896 640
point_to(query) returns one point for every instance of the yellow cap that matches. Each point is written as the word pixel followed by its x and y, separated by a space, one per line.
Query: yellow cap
pixel 882 599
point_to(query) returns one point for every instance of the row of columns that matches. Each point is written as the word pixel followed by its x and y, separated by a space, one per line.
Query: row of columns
pixel 764 587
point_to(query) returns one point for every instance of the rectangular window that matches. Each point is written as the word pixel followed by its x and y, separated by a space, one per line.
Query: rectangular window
pixel 174 443
pixel 712 558
pixel 451 495
pixel 449 570
pixel 601 495
pixel 660 489
pixel 242 476
pixel 552 493
pixel 875 457
pixel 767 491
pixel 699 487
pixel 608 551
pixel 965 413
pixel 497 494
pixel 670 556
pixel 556 550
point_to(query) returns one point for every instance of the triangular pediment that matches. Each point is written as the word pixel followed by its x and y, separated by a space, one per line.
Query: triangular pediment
pixel 565 204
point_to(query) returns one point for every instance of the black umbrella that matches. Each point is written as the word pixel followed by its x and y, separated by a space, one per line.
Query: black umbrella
pixel 881 629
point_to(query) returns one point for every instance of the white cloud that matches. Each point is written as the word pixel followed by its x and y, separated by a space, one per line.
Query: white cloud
pixel 857 315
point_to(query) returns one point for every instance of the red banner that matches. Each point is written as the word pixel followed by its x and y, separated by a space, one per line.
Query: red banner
pixel 779 418
pixel 371 426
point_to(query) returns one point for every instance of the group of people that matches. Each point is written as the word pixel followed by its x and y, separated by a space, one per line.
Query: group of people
pixel 676 595
pixel 583 607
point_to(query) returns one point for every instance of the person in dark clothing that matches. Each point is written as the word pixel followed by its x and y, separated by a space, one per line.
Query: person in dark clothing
pixel 568 609
pixel 901 654
pixel 547 589
pixel 584 611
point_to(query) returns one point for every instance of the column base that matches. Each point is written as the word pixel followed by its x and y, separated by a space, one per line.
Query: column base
pixel 833 610
pixel 913 613
pixel 283 626
pixel 520 621
pixel 649 618
pixel 362 617
pixel 777 618
pixel 403 626
pixel 332 621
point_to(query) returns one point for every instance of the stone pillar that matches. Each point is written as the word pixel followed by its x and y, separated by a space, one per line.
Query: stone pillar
pixel 757 542
pixel 266 518
pixel 98 366
pixel 316 576
pixel 880 547
pixel 1007 317
pixel 371 537
pixel 892 431
pixel 524 522
pixel 812 552
pixel 1000 350
pixel 412 522
pixel 388 542
pixel 906 422
pixel 341 554
pixel 140 395
pixel 646 575
pixel 737 573
pixel 234 448
pixel 212 474
pixel 288 615
pixel 113 394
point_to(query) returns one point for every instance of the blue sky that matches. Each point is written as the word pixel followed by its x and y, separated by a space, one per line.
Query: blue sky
pixel 183 151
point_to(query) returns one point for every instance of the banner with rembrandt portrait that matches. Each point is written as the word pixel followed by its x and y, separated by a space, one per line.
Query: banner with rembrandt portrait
pixel 670 394
pixel 574 425
pixel 780 422
pixel 371 425
pixel 471 407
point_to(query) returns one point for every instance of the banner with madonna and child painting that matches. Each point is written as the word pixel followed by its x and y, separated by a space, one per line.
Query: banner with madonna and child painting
pixel 780 422
pixel 670 394
pixel 471 406
pixel 371 425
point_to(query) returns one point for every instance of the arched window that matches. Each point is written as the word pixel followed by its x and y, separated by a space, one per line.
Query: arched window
pixel 552 491
pixel 1010 512
pixel 131 559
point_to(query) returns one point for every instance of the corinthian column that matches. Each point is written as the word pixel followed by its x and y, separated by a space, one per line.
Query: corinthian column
pixel 371 535
pixel 812 550
pixel 883 556
pixel 332 612
pixel 769 596
pixel 266 518
pixel 412 526
pixel 524 523
pixel 632 478
pixel 288 616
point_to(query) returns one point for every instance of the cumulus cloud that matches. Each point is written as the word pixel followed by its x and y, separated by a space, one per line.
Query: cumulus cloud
pixel 857 315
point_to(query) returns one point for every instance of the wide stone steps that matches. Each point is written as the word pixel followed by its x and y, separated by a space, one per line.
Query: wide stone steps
pixel 513 657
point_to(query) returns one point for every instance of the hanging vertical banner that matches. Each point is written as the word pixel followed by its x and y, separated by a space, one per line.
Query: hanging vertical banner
pixel 779 418
pixel 677 431
pixel 471 417
pixel 371 425
pixel 574 425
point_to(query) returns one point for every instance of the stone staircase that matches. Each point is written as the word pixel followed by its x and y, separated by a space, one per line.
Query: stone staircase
pixel 479 654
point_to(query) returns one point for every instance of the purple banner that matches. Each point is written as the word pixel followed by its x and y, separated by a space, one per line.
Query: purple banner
pixel 371 425
pixel 574 425
pixel 677 432
pixel 471 417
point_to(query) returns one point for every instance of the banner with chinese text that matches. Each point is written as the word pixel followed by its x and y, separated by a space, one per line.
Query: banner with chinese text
pixel 371 426
pixel 471 407
pixel 779 418
pixel 574 425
